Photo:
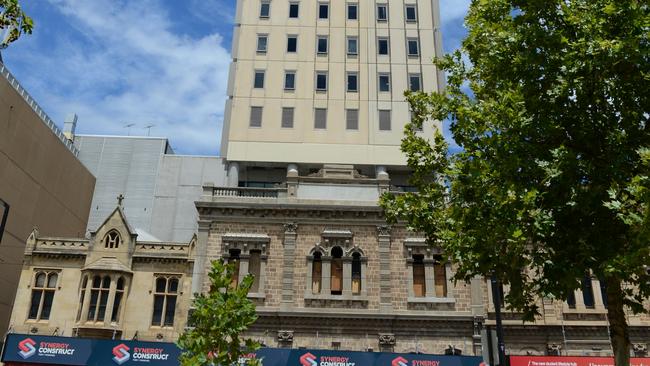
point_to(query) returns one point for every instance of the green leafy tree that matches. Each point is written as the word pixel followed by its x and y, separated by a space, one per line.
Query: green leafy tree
pixel 551 181
pixel 13 19
pixel 219 317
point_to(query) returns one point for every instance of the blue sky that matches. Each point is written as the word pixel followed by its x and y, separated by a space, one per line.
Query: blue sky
pixel 160 62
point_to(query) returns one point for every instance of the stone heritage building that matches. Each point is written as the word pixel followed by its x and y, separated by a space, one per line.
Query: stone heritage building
pixel 110 285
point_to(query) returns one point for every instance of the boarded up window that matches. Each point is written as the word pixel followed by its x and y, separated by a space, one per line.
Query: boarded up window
pixel 440 277
pixel 356 274
pixel 352 119
pixel 316 273
pixel 254 269
pixel 256 117
pixel 384 120
pixel 320 118
pixel 419 283
pixel 287 117
pixel 337 271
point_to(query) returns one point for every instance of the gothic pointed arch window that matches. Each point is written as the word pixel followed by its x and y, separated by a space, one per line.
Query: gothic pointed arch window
pixel 112 240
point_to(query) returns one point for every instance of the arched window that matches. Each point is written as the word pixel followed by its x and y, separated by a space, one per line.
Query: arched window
pixel 117 301
pixel 112 240
pixel 82 296
pixel 164 302
pixel 336 284
pixel 316 273
pixel 42 295
pixel 356 273
pixel 98 298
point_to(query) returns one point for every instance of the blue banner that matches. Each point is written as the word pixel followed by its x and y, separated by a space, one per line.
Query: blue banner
pixel 30 349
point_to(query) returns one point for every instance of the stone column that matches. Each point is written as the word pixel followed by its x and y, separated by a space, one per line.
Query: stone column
pixel 292 180
pixel 290 234
pixel 385 296
pixel 598 295
pixel 111 299
pixel 233 174
pixel 86 304
pixel 326 288
pixel 347 277
pixel 430 289
pixel 198 272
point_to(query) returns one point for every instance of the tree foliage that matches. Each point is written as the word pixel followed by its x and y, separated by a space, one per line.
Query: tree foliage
pixel 14 19
pixel 551 113
pixel 219 317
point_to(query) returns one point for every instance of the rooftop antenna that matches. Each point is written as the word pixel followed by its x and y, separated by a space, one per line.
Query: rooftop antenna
pixel 128 126
pixel 148 128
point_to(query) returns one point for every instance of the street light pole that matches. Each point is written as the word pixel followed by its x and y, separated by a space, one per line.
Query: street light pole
pixel 496 299
pixel 5 213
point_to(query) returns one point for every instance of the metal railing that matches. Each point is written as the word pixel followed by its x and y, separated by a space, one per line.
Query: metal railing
pixel 37 109
pixel 246 192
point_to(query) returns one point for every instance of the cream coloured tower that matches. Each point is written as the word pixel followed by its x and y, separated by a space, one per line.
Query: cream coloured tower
pixel 322 82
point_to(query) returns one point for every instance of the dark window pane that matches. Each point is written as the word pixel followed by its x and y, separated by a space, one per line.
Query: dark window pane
pixel 410 13
pixel 40 280
pixel 352 12
pixel 103 301
pixel 259 79
pixel 97 281
pixel 383 46
pixel 106 282
pixel 384 83
pixel 173 285
pixel 571 300
pixel 261 43
pixel 323 10
pixel 588 293
pixel 413 47
pixel 382 13
pixel 290 81
pixel 171 309
pixel 352 46
pixel 47 305
pixel 322 45
pixel 36 302
pixel 81 303
pixel 293 10
pixel 265 10
pixel 94 295
pixel 116 307
pixel 321 81
pixel 161 284
pixel 120 283
pixel 292 44
pixel 51 280
pixel 352 82
pixel 158 301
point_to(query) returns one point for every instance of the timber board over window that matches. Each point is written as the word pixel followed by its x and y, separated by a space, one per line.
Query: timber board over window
pixel 336 269
pixel 428 273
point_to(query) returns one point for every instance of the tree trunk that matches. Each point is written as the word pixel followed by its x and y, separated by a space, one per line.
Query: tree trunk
pixel 619 332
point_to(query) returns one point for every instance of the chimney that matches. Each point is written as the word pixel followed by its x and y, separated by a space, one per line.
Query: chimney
pixel 69 126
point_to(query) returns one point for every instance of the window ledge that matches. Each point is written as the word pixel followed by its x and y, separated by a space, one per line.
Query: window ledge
pixel 256 295
pixel 310 296
pixel 431 300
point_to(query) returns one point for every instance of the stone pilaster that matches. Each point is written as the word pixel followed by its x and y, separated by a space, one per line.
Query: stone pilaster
pixel 385 297
pixel 201 252
pixel 289 244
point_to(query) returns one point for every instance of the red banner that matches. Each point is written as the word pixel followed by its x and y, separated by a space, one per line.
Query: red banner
pixel 571 361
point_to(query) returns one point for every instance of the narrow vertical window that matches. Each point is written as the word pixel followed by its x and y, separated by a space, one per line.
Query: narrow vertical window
pixel 320 118
pixel 440 277
pixel 316 273
pixel 384 82
pixel 254 263
pixel 353 82
pixel 82 296
pixel 356 274
pixel 259 79
pixel 352 11
pixel 287 117
pixel 43 289
pixel 321 81
pixel 292 44
pixel 322 45
pixel 353 46
pixel 384 120
pixel 256 117
pixel 289 80
pixel 603 292
pixel 411 13
pixel 323 11
pixel 265 9
pixel 294 9
pixel 382 12
pixel 419 283
pixel 571 300
pixel 234 260
pixel 262 43
pixel 413 47
pixel 336 283
pixel 351 119
pixel 117 300
pixel 98 298
pixel 414 82
pixel 588 292
pixel 382 46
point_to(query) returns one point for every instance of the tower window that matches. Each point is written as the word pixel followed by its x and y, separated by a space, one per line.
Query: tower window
pixel 382 12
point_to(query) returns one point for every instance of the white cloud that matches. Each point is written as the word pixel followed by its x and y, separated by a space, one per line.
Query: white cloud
pixel 131 67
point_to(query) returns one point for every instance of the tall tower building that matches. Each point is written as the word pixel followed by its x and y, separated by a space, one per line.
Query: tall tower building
pixel 323 82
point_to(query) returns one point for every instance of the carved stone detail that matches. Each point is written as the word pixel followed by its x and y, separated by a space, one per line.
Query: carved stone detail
pixel 640 349
pixel 386 339
pixel 290 227
pixel 553 349
pixel 384 230
pixel 478 325
pixel 285 336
